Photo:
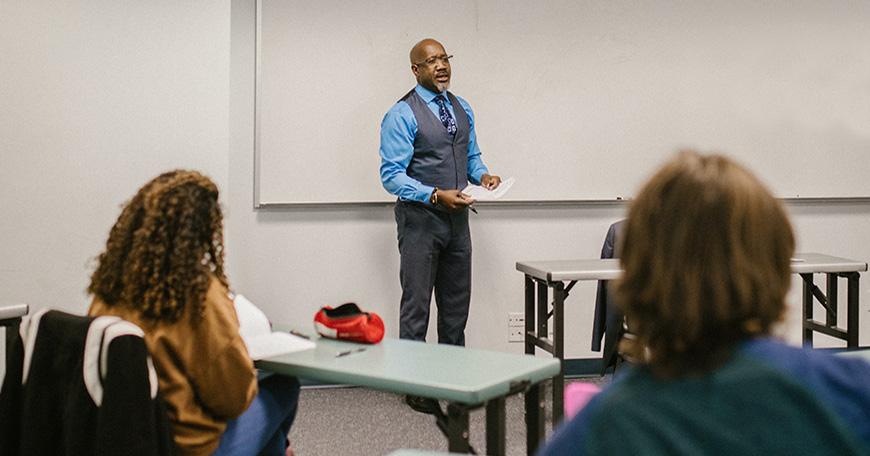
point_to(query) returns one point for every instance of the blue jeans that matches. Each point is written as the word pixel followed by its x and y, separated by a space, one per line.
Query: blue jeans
pixel 262 429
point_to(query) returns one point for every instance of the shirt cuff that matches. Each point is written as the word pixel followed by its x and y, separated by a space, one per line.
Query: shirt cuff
pixel 477 176
pixel 425 195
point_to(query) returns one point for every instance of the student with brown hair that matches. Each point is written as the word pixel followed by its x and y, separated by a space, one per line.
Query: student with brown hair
pixel 706 252
pixel 163 269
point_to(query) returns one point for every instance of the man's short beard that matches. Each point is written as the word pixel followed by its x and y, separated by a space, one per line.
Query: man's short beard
pixel 442 86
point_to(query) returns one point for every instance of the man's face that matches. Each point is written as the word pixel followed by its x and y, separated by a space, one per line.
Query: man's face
pixel 431 67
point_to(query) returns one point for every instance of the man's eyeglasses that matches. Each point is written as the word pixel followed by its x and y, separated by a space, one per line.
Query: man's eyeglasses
pixel 445 59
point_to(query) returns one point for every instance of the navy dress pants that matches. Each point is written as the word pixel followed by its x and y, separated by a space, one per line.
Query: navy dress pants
pixel 435 251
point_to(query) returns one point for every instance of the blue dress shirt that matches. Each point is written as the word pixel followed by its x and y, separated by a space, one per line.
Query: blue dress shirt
pixel 398 130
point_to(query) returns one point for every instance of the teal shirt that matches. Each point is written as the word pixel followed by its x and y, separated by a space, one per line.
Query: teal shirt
pixel 770 399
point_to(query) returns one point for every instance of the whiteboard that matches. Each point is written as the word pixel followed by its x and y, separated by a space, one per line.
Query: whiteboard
pixel 578 100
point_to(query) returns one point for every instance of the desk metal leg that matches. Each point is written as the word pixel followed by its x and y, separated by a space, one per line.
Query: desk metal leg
pixel 807 301
pixel 495 427
pixel 831 299
pixel 537 331
pixel 543 311
pixel 534 418
pixel 559 350
pixel 852 310
pixel 530 316
pixel 457 429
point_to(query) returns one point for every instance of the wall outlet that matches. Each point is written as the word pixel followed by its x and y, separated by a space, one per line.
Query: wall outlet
pixel 516 319
pixel 516 334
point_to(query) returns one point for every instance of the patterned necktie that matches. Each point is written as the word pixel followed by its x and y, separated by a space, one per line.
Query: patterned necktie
pixel 445 116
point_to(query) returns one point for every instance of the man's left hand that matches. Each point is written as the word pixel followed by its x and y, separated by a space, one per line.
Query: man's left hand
pixel 490 182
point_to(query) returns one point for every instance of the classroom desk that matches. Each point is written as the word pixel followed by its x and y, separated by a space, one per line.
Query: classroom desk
pixel 10 318
pixel 834 269
pixel 466 378
pixel 863 353
pixel 561 276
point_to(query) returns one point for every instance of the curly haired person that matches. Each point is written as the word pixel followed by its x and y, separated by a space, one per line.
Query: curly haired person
pixel 163 269
pixel 706 253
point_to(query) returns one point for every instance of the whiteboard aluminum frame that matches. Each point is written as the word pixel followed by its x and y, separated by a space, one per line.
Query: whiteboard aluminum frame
pixel 511 204
pixel 258 8
pixel 258 204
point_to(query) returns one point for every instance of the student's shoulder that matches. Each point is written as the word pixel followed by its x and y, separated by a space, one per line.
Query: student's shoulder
pixel 798 359
pixel 822 372
pixel 99 308
pixel 219 312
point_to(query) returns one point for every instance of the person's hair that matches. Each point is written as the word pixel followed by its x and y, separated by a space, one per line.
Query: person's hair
pixel 164 249
pixel 706 251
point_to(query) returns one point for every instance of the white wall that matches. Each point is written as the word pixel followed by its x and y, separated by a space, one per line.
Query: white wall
pixel 100 96
pixel 97 97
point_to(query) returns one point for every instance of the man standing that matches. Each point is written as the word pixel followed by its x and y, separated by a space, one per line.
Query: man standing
pixel 429 152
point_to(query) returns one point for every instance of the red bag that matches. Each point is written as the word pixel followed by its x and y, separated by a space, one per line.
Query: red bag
pixel 348 322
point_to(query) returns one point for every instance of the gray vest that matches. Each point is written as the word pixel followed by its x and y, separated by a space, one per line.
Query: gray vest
pixel 439 160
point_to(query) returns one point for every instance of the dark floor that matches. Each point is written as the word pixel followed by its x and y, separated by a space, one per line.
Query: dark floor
pixel 358 421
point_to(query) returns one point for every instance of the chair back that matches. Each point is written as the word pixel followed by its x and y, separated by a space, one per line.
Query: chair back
pixel 81 385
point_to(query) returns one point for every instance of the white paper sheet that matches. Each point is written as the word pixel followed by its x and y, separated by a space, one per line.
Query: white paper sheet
pixel 481 194
pixel 256 331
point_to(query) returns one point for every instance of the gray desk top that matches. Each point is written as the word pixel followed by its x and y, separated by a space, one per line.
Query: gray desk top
pixel 817 262
pixel 561 270
pixel 458 374
pixel 13 311
pixel 607 269
pixel 863 353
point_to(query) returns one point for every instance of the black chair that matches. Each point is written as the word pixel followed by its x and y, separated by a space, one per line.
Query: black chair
pixel 10 318
pixel 609 322
pixel 81 385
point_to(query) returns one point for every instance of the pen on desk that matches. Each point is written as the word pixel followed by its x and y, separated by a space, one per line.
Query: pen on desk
pixel 472 209
pixel 348 352
pixel 299 334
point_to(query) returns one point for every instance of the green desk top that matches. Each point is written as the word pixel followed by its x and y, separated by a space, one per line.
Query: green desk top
pixel 445 372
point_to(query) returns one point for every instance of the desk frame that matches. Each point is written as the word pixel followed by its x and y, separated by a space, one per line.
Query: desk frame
pixel 828 300
pixel 537 330
pixel 455 423
pixel 462 396
pixel 539 309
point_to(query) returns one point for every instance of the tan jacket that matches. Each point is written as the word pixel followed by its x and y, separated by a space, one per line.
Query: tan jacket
pixel 206 376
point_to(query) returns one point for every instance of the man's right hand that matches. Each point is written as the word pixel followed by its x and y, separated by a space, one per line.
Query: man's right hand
pixel 454 200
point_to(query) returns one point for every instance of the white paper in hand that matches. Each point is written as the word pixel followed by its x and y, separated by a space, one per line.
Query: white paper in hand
pixel 481 194
pixel 256 332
